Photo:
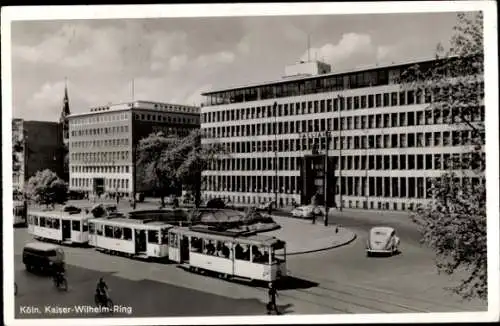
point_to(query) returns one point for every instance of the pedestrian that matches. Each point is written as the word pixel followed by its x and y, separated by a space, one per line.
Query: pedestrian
pixel 272 294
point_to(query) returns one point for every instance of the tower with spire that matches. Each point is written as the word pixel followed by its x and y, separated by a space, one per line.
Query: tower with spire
pixel 63 120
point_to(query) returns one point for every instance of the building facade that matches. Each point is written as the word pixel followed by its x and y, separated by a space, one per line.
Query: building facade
pixel 41 149
pixel 103 141
pixel 384 145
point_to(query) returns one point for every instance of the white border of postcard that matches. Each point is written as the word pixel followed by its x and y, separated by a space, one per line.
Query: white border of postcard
pixel 10 14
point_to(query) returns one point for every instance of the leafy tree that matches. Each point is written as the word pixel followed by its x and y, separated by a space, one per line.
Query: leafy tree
pixel 191 158
pixel 17 148
pixel 46 188
pixel 157 174
pixel 454 222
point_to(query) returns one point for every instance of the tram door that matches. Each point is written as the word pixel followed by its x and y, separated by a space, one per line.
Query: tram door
pixel 66 229
pixel 140 241
pixel 184 249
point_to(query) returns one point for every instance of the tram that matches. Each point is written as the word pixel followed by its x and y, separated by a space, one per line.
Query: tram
pixel 144 239
pixel 253 257
pixel 19 212
pixel 59 226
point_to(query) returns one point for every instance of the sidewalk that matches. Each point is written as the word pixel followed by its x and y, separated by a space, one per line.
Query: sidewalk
pixel 302 236
pixel 393 217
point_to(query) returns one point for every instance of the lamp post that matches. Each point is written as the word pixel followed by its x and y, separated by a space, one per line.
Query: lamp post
pixel 341 99
pixel 275 106
pixel 325 175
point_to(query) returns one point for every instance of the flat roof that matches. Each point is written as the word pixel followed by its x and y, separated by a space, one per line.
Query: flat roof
pixel 41 246
pixel 258 239
pixel 60 214
pixel 132 222
pixel 358 69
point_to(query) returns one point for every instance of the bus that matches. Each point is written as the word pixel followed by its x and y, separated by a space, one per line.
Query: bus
pixel 59 226
pixel 19 213
pixel 255 257
pixel 135 238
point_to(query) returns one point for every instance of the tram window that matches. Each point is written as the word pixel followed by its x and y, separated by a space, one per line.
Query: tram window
pixel 152 236
pixel 222 249
pixel 98 228
pixel 117 232
pixel 56 224
pixel 35 220
pixel 127 234
pixel 108 231
pixel 164 236
pixel 196 244
pixel 242 252
pixel 42 222
pixel 173 240
pixel 85 227
pixel 209 247
pixel 260 255
pixel 91 228
pixel 75 225
pixel 49 223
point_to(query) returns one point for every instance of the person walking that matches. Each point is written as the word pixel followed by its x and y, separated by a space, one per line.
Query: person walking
pixel 272 294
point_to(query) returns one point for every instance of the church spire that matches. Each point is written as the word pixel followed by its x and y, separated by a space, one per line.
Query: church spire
pixel 65 111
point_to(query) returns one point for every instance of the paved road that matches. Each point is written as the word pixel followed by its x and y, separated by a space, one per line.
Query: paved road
pixel 342 280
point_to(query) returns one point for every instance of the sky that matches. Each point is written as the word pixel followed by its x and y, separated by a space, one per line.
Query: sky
pixel 175 59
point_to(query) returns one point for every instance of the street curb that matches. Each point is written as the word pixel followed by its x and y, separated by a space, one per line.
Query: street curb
pixel 338 245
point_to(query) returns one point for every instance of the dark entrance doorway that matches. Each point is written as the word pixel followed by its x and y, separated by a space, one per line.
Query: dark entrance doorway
pixel 312 178
pixel 184 249
pixel 66 230
pixel 140 241
pixel 99 186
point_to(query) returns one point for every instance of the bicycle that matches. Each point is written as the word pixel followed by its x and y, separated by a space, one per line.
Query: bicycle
pixel 60 282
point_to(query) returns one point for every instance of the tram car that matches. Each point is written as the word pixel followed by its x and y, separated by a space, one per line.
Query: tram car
pixel 254 257
pixel 59 226
pixel 144 239
pixel 19 212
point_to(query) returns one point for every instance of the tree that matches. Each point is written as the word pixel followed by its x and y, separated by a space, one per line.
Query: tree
pixel 191 158
pixel 157 174
pixel 454 222
pixel 46 188
pixel 17 148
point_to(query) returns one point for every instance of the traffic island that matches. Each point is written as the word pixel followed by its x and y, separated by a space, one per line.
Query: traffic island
pixel 303 237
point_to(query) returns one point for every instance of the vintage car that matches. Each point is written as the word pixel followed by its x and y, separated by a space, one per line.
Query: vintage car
pixel 270 205
pixel 382 239
pixel 308 211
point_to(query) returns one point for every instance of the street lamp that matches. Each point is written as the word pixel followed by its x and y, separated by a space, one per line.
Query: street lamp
pixel 341 102
pixel 325 174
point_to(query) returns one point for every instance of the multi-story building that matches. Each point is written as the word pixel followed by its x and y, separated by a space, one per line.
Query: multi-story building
pixel 388 143
pixel 103 141
pixel 41 149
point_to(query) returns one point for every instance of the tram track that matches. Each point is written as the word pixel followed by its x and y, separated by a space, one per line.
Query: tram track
pixel 377 292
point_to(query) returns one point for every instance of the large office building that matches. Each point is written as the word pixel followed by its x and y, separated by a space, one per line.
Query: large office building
pixel 103 141
pixel 389 145
pixel 41 149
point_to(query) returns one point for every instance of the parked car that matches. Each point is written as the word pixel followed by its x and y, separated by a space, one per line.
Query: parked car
pixel 308 211
pixel 382 239
pixel 270 205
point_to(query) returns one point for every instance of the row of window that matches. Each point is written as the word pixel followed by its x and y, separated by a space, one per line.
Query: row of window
pixel 255 254
pixel 124 233
pixel 101 156
pixel 122 116
pixel 165 118
pixel 99 131
pixel 100 143
pixel 404 140
pixel 355 162
pixel 55 223
pixel 390 99
pixel 111 184
pixel 100 169
pixel 390 187
pixel 361 122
